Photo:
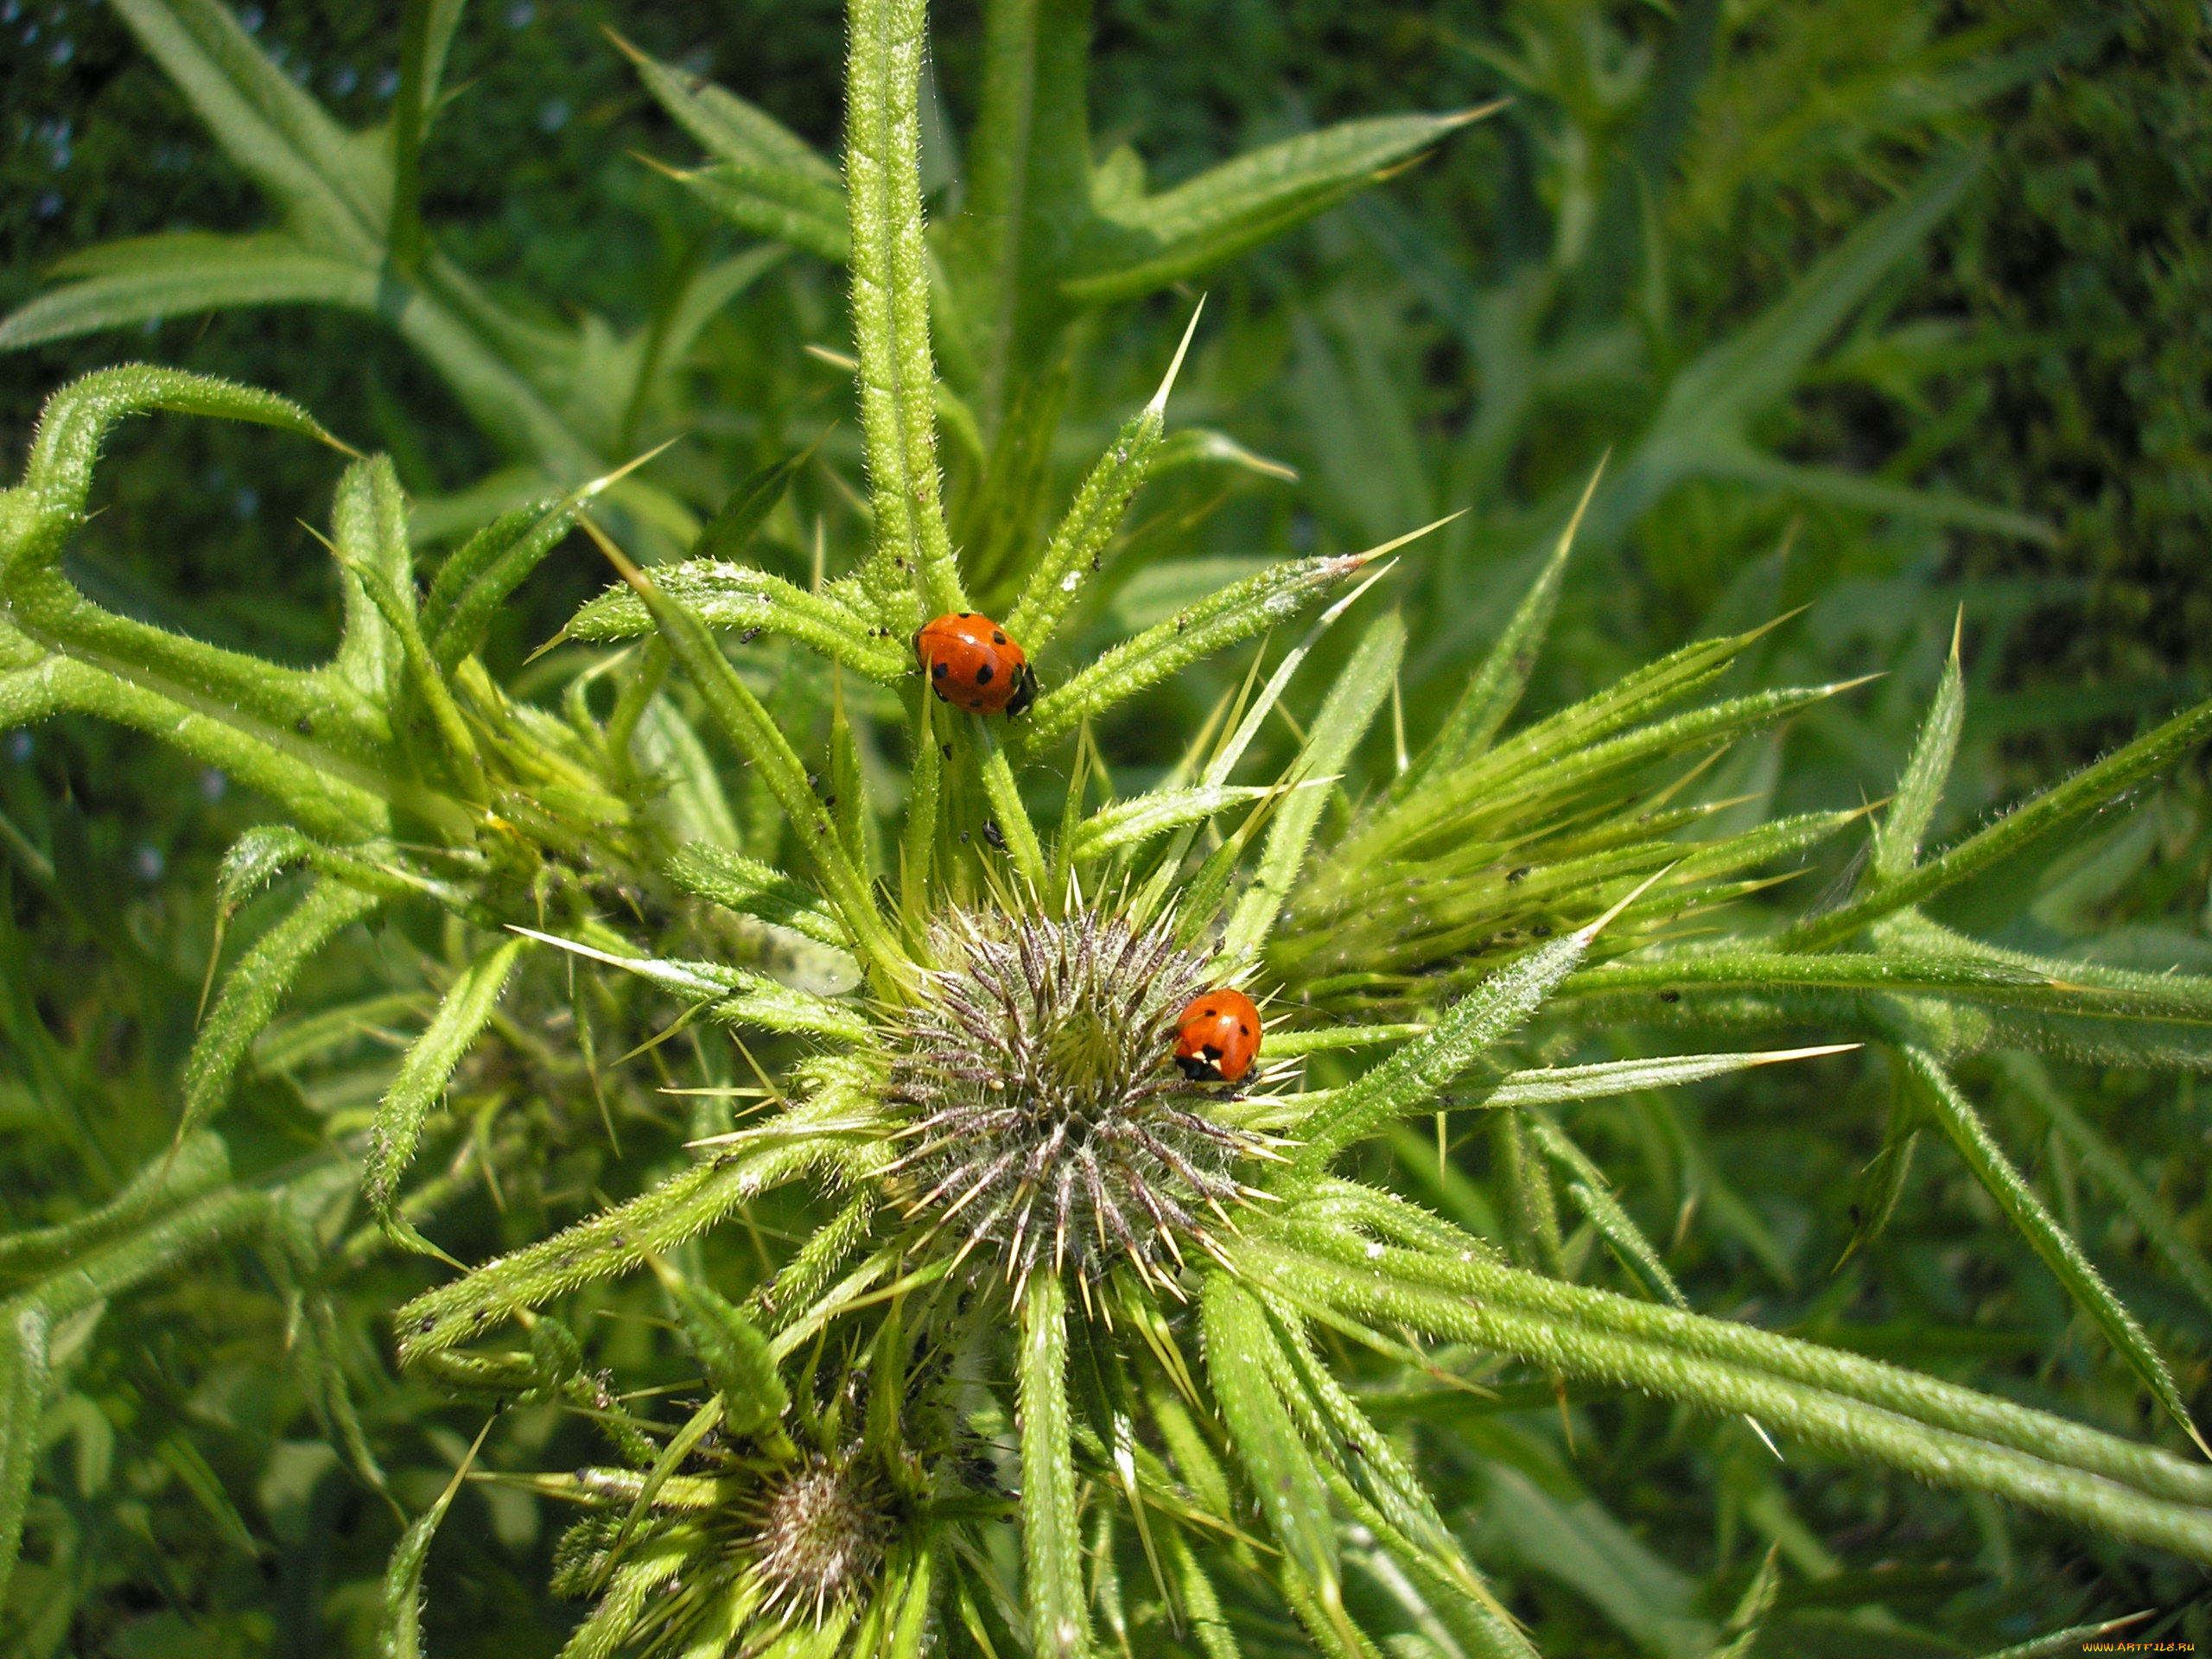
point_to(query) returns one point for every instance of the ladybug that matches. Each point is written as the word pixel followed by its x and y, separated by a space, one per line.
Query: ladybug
pixel 972 665
pixel 1218 1037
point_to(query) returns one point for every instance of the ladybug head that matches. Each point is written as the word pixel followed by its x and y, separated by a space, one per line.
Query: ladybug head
pixel 1024 690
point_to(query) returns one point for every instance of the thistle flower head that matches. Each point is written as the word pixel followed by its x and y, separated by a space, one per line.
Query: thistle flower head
pixel 819 1534
pixel 1051 1123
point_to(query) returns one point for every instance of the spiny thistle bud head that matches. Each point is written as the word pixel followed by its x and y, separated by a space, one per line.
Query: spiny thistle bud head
pixel 1050 1122
pixel 820 1535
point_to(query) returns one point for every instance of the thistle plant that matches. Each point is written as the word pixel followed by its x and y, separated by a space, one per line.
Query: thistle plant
pixel 1060 1341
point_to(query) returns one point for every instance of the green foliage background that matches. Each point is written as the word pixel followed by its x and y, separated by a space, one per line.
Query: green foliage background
pixel 2048 350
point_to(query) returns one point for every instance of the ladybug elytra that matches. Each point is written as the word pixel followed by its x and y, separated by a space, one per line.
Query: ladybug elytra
pixel 972 665
pixel 1218 1037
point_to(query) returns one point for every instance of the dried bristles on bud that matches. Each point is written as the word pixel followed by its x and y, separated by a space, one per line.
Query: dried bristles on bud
pixel 819 1537
pixel 1052 1122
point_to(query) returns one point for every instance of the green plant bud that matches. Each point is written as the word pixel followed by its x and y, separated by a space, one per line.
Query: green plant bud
pixel 555 1354
pixel 734 1354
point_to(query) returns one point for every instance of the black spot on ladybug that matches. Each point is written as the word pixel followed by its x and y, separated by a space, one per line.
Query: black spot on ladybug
pixel 966 613
pixel 937 671
pixel 983 674
pixel 1243 1029
pixel 997 638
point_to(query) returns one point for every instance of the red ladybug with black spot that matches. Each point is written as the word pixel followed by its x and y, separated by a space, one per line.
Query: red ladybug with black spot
pixel 1218 1037
pixel 972 665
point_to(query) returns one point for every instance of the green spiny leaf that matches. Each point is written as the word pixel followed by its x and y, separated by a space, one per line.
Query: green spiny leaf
pixel 1351 706
pixel 2061 1253
pixel 1052 1544
pixel 1133 821
pixel 748 726
pixel 1292 1493
pixel 1080 543
pixel 1499 683
pixel 751 888
pixel 731 1349
pixel 423 1075
pixel 199 1163
pixel 608 1245
pixel 399 1628
pixel 912 574
pixel 2085 791
pixel 254 986
pixel 1146 243
pixel 23 1329
pixel 1920 792
pixel 733 996
pixel 1227 618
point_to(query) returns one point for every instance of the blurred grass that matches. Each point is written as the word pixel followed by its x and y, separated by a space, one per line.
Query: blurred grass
pixel 2047 349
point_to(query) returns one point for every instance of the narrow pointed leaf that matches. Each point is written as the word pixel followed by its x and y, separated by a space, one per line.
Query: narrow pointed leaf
pixel 1413 1076
pixel 1593 1196
pixel 912 573
pixel 1498 684
pixel 2061 1252
pixel 1149 242
pixel 425 1071
pixel 736 596
pixel 1291 1491
pixel 1787 1407
pixel 1051 1543
pixel 23 1329
pixel 1080 543
pixel 121 284
pixel 200 1162
pixel 1133 821
pixel 732 995
pixel 757 737
pixel 399 1628
pixel 2085 791
pixel 752 888
pixel 1920 792
pixel 2109 1169
pixel 1353 701
pixel 252 990
pixel 731 1350
pixel 609 1244
pixel 1236 613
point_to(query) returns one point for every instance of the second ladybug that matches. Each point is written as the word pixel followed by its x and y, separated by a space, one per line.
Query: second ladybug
pixel 973 665
pixel 1218 1037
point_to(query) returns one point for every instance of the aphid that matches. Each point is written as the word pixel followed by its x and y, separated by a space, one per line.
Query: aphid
pixel 972 665
pixel 1217 1036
